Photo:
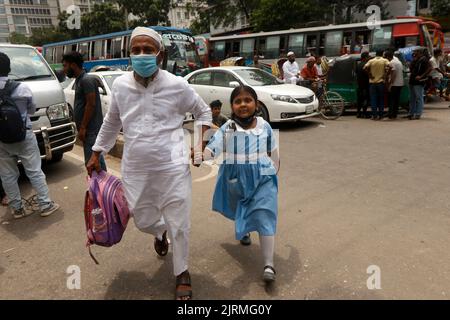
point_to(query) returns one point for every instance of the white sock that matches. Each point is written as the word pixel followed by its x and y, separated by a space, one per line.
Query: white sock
pixel 267 247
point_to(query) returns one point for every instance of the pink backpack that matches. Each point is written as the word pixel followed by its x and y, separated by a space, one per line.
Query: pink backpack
pixel 106 211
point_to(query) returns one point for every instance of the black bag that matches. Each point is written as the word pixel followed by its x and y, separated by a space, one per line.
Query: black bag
pixel 12 126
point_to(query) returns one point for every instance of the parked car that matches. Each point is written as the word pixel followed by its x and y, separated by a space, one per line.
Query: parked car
pixel 52 125
pixel 278 102
pixel 105 81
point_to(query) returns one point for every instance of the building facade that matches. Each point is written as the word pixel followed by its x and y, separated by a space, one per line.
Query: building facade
pixel 179 14
pixel 22 16
pixel 84 5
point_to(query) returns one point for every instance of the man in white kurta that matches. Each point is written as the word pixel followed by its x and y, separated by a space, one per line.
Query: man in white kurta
pixel 291 69
pixel 155 163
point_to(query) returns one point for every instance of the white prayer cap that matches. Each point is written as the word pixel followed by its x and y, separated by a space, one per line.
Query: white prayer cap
pixel 143 31
pixel 290 53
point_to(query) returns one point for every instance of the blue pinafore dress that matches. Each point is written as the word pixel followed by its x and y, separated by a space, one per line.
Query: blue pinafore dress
pixel 247 185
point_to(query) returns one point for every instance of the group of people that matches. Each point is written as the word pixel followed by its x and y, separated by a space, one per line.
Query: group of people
pixel 150 104
pixel 381 80
pixel 313 71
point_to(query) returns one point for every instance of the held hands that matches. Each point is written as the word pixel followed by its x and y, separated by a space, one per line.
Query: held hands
pixel 196 156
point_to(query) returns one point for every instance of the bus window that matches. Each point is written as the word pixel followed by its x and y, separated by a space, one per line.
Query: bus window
pixel 108 48
pixel 333 43
pixel 58 54
pixel 67 48
pixel 97 50
pixel 403 42
pixel 272 47
pixel 248 46
pixel 322 39
pixel 236 48
pixel 261 46
pixel 362 40
pixel 116 48
pixel 282 47
pixel 49 55
pixel 382 38
pixel 347 42
pixel 311 44
pixel 126 47
pixel 296 44
pixel 219 50
pixel 83 48
pixel 228 52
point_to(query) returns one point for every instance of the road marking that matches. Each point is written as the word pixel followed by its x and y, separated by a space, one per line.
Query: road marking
pixel 214 168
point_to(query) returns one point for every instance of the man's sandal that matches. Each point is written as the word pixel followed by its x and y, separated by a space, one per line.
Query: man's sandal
pixel 183 280
pixel 269 276
pixel 162 246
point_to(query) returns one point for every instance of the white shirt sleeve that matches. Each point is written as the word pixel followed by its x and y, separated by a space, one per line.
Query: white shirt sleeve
pixel 196 106
pixel 111 126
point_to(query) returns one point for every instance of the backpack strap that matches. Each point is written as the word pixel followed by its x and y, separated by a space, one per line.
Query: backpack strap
pixel 9 88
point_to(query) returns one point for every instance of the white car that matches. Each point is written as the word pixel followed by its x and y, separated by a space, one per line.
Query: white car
pixel 106 80
pixel 279 102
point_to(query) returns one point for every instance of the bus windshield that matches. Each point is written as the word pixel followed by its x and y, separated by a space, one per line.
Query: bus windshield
pixel 181 49
pixel 26 64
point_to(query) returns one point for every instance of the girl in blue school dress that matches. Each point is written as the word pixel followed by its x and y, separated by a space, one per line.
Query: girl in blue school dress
pixel 247 185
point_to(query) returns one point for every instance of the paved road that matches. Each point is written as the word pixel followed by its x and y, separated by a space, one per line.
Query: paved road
pixel 353 193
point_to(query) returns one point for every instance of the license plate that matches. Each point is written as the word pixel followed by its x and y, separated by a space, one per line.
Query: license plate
pixel 309 109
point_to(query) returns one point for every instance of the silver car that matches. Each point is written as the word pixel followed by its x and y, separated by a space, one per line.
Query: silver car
pixel 54 129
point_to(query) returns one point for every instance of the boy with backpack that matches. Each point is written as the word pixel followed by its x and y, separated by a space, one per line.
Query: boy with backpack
pixel 17 141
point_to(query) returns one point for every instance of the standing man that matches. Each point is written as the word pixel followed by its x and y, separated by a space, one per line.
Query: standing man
pixel 395 84
pixel 256 63
pixel 150 104
pixel 26 150
pixel 420 69
pixel 87 104
pixel 291 69
pixel 377 69
pixel 362 79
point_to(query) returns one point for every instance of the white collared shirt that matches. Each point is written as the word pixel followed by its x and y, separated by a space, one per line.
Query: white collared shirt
pixel 152 121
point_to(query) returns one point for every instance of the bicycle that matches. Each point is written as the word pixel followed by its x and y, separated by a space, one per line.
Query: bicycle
pixel 331 103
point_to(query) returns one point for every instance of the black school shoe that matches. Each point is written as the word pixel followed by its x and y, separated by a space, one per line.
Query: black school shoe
pixel 246 240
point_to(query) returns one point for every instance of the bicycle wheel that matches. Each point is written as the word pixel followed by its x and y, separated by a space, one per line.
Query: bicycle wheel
pixel 332 105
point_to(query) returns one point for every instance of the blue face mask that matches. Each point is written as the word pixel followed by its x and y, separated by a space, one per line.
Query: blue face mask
pixel 145 65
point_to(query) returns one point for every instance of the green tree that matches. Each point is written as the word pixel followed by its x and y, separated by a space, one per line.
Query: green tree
pixel 18 38
pixel 104 18
pixel 222 12
pixel 278 15
pixel 149 12
pixel 345 9
pixel 202 23
pixel 440 8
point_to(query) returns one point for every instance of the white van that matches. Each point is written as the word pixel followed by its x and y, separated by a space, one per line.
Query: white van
pixel 52 124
